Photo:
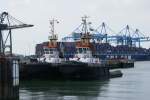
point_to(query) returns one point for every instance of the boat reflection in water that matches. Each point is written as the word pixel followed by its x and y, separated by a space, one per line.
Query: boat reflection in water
pixel 61 90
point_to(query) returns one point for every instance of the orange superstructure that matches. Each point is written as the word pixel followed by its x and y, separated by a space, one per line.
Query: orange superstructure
pixel 85 41
pixel 52 41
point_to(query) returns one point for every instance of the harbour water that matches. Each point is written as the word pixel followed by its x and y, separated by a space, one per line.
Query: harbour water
pixel 134 85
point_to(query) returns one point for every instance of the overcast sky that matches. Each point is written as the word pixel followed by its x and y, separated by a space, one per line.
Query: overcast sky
pixel 116 13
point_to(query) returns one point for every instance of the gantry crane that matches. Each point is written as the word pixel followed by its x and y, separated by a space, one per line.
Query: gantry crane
pixel 76 34
pixel 100 34
pixel 7 24
pixel 127 36
pixel 130 37
pixel 103 33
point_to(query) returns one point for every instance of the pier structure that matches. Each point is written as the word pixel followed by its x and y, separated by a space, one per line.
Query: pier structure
pixel 9 64
pixel 9 78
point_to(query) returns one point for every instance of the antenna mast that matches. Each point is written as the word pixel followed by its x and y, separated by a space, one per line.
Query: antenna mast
pixel 84 20
pixel 52 25
pixel 53 37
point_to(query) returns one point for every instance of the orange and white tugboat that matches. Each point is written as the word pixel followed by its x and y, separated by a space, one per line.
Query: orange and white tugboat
pixel 46 65
pixel 87 67
pixel 84 46
pixel 51 53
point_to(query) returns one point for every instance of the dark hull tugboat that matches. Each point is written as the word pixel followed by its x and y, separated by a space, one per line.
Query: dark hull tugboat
pixel 82 67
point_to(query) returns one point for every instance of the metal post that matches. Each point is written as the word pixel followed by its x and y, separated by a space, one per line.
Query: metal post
pixel 9 78
pixel 139 43
pixel 10 41
pixel 106 38
pixel 1 43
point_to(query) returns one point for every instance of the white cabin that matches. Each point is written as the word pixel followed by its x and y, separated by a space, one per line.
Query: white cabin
pixel 51 55
pixel 84 54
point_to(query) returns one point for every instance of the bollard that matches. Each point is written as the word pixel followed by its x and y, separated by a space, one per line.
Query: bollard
pixel 9 78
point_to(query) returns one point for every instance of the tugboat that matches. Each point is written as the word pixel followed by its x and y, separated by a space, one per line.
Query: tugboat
pixel 84 50
pixel 82 67
pixel 51 53
pixel 46 66
pixel 89 67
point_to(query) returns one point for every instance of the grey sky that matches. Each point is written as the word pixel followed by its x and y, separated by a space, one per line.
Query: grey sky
pixel 116 13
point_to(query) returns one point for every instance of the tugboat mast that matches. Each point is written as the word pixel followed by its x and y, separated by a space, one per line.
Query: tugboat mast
pixel 52 25
pixel 53 37
pixel 85 36
pixel 85 29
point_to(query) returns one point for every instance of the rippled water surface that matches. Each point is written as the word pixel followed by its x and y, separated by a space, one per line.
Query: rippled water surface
pixel 134 85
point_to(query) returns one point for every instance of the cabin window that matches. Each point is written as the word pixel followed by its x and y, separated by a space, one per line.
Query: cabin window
pixel 46 49
pixel 46 52
pixel 80 50
pixel 84 50
pixel 50 51
pixel 87 49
